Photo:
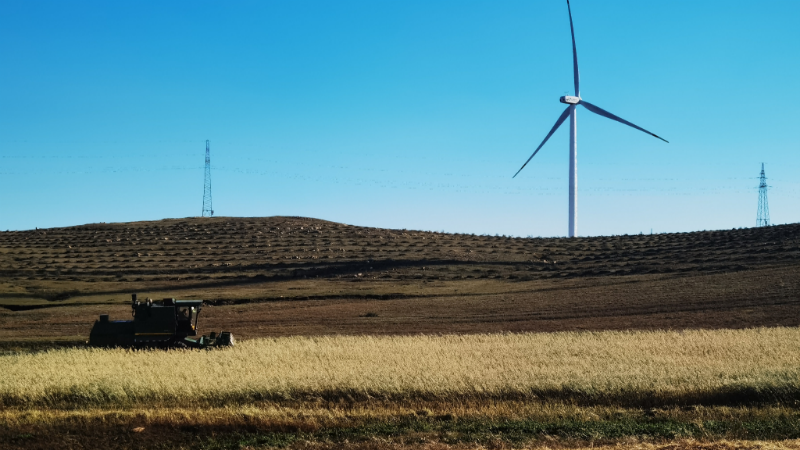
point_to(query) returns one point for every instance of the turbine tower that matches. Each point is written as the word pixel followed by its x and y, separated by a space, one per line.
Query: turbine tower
pixel 208 210
pixel 571 112
pixel 762 219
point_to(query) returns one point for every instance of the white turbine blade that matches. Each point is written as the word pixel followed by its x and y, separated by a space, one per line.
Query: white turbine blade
pixel 604 113
pixel 574 55
pixel 560 120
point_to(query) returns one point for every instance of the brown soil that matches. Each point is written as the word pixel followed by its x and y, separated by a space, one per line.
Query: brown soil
pixel 286 275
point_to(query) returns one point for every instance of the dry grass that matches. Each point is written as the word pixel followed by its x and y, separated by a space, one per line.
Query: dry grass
pixel 315 415
pixel 631 444
pixel 377 426
pixel 700 445
pixel 623 368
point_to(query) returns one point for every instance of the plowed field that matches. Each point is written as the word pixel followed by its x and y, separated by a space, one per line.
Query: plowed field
pixel 288 276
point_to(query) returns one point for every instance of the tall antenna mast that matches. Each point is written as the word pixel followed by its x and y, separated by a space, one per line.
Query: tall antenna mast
pixel 208 210
pixel 762 220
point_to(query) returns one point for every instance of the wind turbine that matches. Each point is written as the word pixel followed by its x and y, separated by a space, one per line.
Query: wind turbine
pixel 571 112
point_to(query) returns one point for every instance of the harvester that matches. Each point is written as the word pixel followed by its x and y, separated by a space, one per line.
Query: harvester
pixel 162 323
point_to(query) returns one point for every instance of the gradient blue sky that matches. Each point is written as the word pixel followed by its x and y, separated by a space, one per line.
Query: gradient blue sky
pixel 399 114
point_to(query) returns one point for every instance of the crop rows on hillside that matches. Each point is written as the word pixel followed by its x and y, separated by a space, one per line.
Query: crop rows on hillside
pixel 284 247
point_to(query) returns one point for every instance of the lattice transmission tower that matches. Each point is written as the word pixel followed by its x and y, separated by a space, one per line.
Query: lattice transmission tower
pixel 762 219
pixel 208 210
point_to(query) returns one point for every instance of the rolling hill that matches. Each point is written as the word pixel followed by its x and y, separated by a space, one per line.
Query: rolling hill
pixel 291 275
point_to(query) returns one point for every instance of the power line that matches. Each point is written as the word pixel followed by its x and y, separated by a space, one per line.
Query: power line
pixel 208 210
pixel 762 219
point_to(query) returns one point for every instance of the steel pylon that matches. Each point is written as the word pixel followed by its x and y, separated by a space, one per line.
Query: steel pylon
pixel 208 210
pixel 762 219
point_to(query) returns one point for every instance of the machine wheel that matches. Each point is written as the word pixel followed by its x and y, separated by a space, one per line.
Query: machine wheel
pixel 178 344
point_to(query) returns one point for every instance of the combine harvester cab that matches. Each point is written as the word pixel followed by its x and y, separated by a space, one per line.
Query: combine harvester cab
pixel 165 323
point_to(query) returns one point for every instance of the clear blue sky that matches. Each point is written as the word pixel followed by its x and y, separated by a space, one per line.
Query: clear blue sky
pixel 400 114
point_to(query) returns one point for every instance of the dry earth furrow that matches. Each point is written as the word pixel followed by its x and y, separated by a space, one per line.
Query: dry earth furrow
pixel 298 275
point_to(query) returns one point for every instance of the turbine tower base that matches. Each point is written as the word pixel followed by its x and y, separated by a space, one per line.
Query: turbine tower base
pixel 573 172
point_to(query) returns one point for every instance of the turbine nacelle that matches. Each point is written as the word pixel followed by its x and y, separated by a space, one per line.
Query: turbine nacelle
pixel 570 100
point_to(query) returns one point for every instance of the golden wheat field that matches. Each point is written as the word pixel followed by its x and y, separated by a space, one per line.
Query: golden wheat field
pixel 628 368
